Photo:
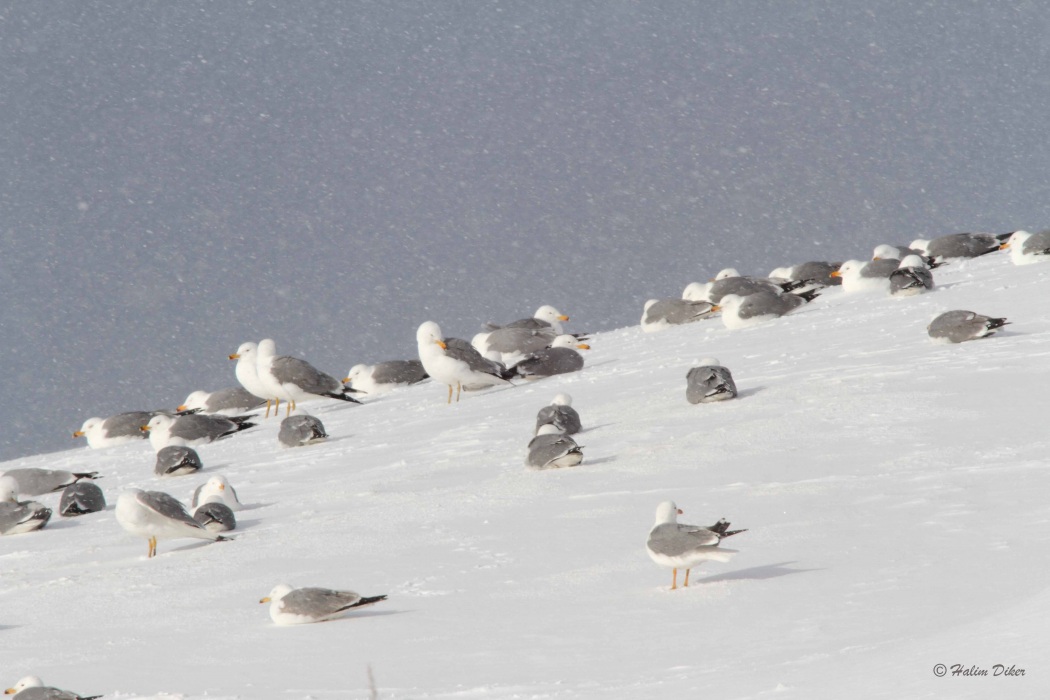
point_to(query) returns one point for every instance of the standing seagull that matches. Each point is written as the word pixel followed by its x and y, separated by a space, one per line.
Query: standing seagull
pixel 247 356
pixel 297 380
pixel 158 516
pixel 456 365
pixel 679 546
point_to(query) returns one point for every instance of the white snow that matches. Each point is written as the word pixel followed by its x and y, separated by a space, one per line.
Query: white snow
pixel 896 494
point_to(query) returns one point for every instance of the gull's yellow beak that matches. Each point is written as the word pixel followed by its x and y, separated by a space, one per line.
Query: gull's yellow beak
pixel 1004 246
pixel 9 691
pixel 78 433
pixel 181 408
pixel 716 307
pixel 265 600
pixel 235 356
pixel 583 346
pixel 836 273
pixel 441 344
pixel 222 487
pixel 344 380
pixel 144 428
pixel 874 258
pixel 563 317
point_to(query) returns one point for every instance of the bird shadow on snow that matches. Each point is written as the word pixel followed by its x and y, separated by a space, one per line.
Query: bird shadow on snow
pixel 756 573
pixel 599 460
pixel 748 393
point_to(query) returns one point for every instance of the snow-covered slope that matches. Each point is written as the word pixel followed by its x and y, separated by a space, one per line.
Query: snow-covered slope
pixel 894 491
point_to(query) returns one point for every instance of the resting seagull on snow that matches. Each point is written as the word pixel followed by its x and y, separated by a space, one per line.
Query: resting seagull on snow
pixel 32 688
pixel 709 382
pixel 960 326
pixel 296 606
pixel 192 430
pixel 377 378
pixel 1026 248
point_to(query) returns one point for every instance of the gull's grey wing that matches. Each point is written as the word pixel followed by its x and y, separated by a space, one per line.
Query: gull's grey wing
pixel 678 311
pixel 177 459
pixel 33 481
pixel 47 693
pixel 515 339
pixel 672 539
pixel 817 271
pixel 319 602
pixel 22 516
pixel 126 424
pixel 879 269
pixel 167 506
pixel 767 303
pixel 399 372
pixel 549 362
pixel 1037 244
pixel 234 398
pixel 741 286
pixel 962 245
pixel 304 375
pixel 461 350
pixel 197 426
pixel 216 517
pixel 545 449
pixel 300 430
pixel 959 326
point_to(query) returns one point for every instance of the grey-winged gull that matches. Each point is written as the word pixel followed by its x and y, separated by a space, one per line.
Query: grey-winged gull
pixel 960 245
pixel 959 326
pixel 177 460
pixel 247 357
pixel 560 358
pixel 910 278
pixel 560 414
pixel 814 272
pixel 678 546
pixel 33 481
pixel 32 688
pixel 741 312
pixel 231 401
pixel 382 376
pixel 17 517
pixel 193 429
pixel 870 276
pixel 216 487
pixel 545 317
pixel 457 365
pixel 115 430
pixel 297 380
pixel 553 452
pixel 659 314
pixel 729 281
pixel 296 606
pixel 708 382
pixel 156 515
pixel 81 498
pixel 300 430
pixel 1026 248
pixel 215 515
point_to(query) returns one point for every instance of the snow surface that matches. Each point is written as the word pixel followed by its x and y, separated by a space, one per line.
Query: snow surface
pixel 894 491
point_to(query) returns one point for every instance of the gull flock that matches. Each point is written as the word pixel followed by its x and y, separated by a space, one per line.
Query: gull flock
pixel 529 352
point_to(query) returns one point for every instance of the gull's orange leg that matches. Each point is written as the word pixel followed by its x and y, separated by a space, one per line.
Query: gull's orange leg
pixel 450 393
pixel 686 584
pixel 674 579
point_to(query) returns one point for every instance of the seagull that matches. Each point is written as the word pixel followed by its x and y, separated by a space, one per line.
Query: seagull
pixel 960 326
pixel 741 312
pixel 247 357
pixel 192 430
pixel 960 245
pixel 729 281
pixel 547 451
pixel 115 430
pixel 296 380
pixel 301 430
pixel 860 276
pixel 545 317
pixel 33 481
pixel 232 401
pixel 32 688
pixel 373 379
pixel 215 515
pixel 296 606
pixel 216 487
pixel 709 382
pixel 17 517
pixel 659 314
pixel 81 498
pixel 561 415
pixel 456 365
pixel 1026 248
pixel 679 546
pixel 177 460
pixel 559 358
pixel 157 516
pixel 910 278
